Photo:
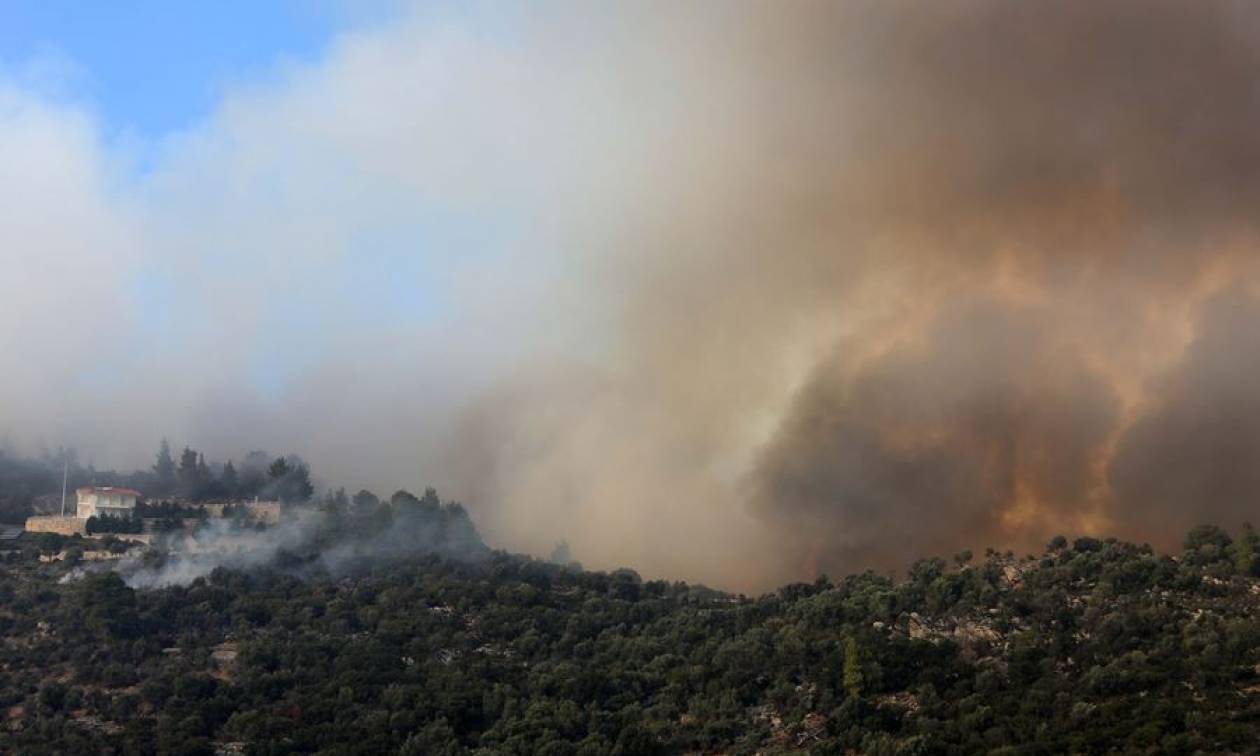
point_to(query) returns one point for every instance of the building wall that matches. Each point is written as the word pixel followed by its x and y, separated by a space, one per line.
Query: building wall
pixel 97 504
pixel 215 508
pixel 262 511
pixel 56 524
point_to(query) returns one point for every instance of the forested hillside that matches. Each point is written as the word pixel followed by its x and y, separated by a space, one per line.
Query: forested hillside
pixel 1095 646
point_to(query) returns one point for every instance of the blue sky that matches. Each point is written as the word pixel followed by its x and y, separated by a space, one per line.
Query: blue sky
pixel 149 67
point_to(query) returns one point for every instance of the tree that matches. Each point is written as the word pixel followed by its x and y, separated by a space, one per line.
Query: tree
pixel 562 554
pixel 421 517
pixel 1245 550
pixel 1208 544
pixel 109 524
pixel 300 487
pixel 924 571
pixel 164 469
pixel 434 739
pixel 852 669
pixel 253 473
pixel 187 471
pixel 365 503
pixel 1206 535
pixel 108 604
pixel 290 481
pixel 229 481
pixel 402 499
pixel 336 502
pixel 53 695
pixel 278 469
pixel 430 503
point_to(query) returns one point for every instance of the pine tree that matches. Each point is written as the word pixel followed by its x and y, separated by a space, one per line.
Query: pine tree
pixel 291 481
pixel 1245 550
pixel 335 502
pixel 279 468
pixel 852 669
pixel 164 469
pixel 188 472
pixel 228 480
pixel 301 488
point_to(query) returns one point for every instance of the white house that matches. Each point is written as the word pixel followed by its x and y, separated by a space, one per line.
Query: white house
pixel 106 501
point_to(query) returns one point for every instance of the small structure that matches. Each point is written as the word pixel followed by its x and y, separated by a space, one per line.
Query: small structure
pixel 106 501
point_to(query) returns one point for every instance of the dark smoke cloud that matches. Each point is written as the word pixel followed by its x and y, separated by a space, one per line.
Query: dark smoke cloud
pixel 916 292
pixel 1192 456
pixel 979 432
pixel 1086 165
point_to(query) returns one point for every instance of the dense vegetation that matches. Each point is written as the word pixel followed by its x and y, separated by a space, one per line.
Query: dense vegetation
pixel 1095 646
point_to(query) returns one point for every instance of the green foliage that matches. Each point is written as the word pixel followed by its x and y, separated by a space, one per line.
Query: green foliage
pixel 110 524
pixel 852 669
pixel 190 471
pixel 278 469
pixel 229 480
pixel 1247 551
pixel 108 605
pixel 1207 536
pixel 164 471
pixel 1103 646
pixel 290 480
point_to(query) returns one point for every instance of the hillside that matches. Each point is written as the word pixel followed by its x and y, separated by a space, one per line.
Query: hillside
pixel 1097 645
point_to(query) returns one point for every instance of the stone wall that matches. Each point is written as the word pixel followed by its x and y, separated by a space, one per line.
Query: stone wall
pixel 145 538
pixel 56 524
pixel 260 511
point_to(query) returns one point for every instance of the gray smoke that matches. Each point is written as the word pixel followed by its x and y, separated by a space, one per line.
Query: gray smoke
pixel 727 291
pixel 306 540
pixel 219 543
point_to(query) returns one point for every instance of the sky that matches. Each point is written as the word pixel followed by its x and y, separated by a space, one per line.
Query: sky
pixel 736 292
pixel 148 68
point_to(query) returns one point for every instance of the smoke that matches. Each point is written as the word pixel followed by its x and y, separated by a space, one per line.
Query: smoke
pixel 1191 457
pixel 219 544
pixel 307 540
pixel 723 291
pixel 982 430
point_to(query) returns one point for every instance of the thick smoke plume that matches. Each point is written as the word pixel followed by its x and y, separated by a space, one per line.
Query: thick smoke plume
pixel 734 292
